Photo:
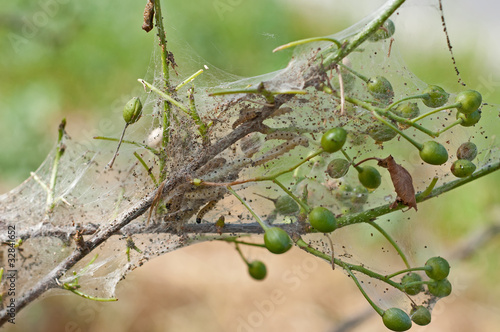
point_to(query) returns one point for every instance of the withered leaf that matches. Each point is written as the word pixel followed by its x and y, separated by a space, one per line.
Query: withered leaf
pixel 149 13
pixel 402 181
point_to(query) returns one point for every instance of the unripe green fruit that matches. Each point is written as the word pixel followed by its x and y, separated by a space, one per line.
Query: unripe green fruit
pixel 440 268
pixel 396 319
pixel 436 96
pixel 468 120
pixel 433 153
pixel 384 32
pixel 132 110
pixel 286 205
pixel 337 168
pixel 467 150
pixel 412 289
pixel 333 139
pixel 380 88
pixel 381 132
pixel 463 168
pixel 257 270
pixel 322 219
pixel 407 110
pixel 441 288
pixel 469 100
pixel 420 315
pixel 369 177
pixel 277 240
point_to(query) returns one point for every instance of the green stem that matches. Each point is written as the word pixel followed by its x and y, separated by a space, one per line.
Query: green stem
pixel 163 42
pixel 420 268
pixel 167 112
pixel 307 40
pixel 241 254
pixel 391 240
pixel 349 159
pixel 304 246
pixel 431 186
pixel 269 95
pixel 364 34
pixel 202 128
pixel 110 164
pixel 304 206
pixel 291 169
pixel 143 163
pixel 104 138
pixel 165 96
pixel 418 118
pixel 88 297
pixel 359 75
pixel 189 79
pixel 356 281
pixel 55 167
pixel 234 240
pixel 459 121
pixel 405 99
pixel 408 138
pixel 262 224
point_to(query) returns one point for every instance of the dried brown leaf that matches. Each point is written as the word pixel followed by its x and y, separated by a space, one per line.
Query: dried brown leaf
pixel 402 181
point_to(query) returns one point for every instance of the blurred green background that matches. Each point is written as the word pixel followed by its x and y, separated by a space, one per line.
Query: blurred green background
pixel 76 59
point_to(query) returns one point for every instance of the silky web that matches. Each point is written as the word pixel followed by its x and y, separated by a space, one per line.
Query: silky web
pixel 90 196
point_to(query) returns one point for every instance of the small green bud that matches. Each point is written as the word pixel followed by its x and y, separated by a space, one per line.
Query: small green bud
pixel 436 96
pixel 462 168
pixel 381 133
pixel 257 270
pixel 407 110
pixel 467 150
pixel 420 315
pixel 469 120
pixel 132 110
pixel 469 100
pixel 337 168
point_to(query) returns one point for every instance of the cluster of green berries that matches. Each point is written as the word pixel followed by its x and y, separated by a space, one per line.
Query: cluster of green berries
pixel 436 268
pixel 463 166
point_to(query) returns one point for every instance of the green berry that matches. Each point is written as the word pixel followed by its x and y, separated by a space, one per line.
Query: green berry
pixel 257 270
pixel 381 132
pixel 407 110
pixel 322 219
pixel 441 288
pixel 380 88
pixel 369 177
pixel 337 168
pixel 277 240
pixel 132 110
pixel 433 153
pixel 385 31
pixel 463 168
pixel 469 101
pixel 469 120
pixel 435 96
pixel 439 268
pixel 333 139
pixel 396 319
pixel 420 315
pixel 467 150
pixel 410 278
pixel 286 205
